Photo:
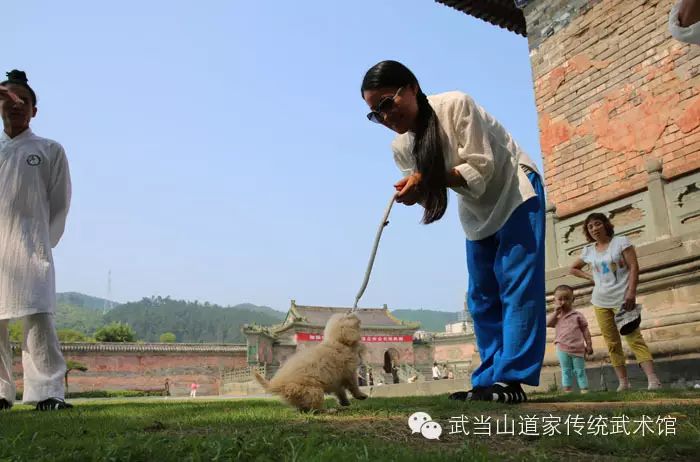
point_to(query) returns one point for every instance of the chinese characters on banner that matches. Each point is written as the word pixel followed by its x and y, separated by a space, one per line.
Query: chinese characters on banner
pixel 308 337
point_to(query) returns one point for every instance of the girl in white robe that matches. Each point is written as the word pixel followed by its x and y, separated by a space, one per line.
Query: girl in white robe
pixel 35 189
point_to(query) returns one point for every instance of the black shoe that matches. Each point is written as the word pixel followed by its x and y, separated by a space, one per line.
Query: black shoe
pixel 507 393
pixel 475 394
pixel 5 405
pixel 52 404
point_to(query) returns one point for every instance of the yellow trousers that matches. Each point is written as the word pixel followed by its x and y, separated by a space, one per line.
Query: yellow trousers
pixel 606 322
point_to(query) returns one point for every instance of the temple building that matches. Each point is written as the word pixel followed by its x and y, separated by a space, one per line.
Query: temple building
pixel 386 338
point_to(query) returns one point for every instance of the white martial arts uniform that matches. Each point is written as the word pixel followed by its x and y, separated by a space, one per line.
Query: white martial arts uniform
pixel 35 192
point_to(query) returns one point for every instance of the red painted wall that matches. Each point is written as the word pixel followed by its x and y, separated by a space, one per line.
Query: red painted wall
pixel 132 371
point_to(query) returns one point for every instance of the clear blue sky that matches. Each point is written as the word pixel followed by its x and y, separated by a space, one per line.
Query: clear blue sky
pixel 222 153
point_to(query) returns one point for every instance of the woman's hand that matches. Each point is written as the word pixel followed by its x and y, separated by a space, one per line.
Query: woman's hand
pixel 630 301
pixel 7 95
pixel 630 256
pixel 577 270
pixel 589 350
pixel 455 179
pixel 408 189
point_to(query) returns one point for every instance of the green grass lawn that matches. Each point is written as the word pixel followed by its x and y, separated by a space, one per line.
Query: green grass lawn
pixel 376 429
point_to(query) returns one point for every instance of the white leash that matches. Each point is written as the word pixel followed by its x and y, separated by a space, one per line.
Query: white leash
pixel 374 251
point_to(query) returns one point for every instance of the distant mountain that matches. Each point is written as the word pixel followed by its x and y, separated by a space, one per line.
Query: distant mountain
pixel 84 320
pixel 430 320
pixel 257 309
pixel 191 322
pixel 195 322
pixel 84 301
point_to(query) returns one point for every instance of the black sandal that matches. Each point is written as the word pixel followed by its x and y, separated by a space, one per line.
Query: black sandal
pixel 475 394
pixel 52 404
pixel 507 393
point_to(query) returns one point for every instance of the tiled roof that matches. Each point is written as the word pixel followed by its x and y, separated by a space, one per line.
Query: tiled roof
pixel 150 347
pixel 319 315
pixel 268 331
pixel 502 13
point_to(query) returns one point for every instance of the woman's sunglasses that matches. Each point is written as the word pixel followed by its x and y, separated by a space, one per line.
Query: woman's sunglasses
pixel 383 107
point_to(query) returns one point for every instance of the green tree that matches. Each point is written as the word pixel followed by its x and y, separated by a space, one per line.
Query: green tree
pixel 189 322
pixel 78 318
pixel 116 332
pixel 167 337
pixel 73 366
pixel 16 330
pixel 70 335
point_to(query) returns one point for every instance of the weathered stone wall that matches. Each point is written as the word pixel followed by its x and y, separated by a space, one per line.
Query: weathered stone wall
pixel 423 354
pixel 260 349
pixel 546 18
pixel 662 223
pixel 459 351
pixel 619 113
pixel 281 353
pixel 612 88
pixel 665 211
pixel 375 353
pixel 139 367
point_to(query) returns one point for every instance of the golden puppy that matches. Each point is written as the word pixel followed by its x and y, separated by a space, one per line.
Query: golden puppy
pixel 330 367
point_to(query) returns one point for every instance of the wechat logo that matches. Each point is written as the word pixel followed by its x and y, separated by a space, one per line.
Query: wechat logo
pixel 421 422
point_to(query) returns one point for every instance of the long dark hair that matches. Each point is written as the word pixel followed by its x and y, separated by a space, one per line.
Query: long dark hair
pixel 16 77
pixel 609 228
pixel 427 149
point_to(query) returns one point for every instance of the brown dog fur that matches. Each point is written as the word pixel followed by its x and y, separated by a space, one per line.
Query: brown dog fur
pixel 330 367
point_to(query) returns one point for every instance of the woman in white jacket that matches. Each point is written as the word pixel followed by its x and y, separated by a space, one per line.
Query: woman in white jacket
pixel 35 189
pixel 448 141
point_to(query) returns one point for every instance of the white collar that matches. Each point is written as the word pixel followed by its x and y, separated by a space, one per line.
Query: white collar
pixel 25 134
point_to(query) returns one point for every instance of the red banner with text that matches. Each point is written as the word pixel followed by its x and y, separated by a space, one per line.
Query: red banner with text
pixel 307 337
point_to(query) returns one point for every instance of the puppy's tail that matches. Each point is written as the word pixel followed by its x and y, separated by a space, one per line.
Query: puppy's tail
pixel 261 380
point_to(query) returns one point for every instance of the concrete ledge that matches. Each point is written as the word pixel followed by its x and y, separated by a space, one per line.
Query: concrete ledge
pixel 675 371
pixel 242 389
pixel 441 387
pixel 678 269
pixel 681 371
pixel 666 341
pixel 427 388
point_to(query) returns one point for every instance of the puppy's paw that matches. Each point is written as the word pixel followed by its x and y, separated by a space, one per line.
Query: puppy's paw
pixel 360 396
